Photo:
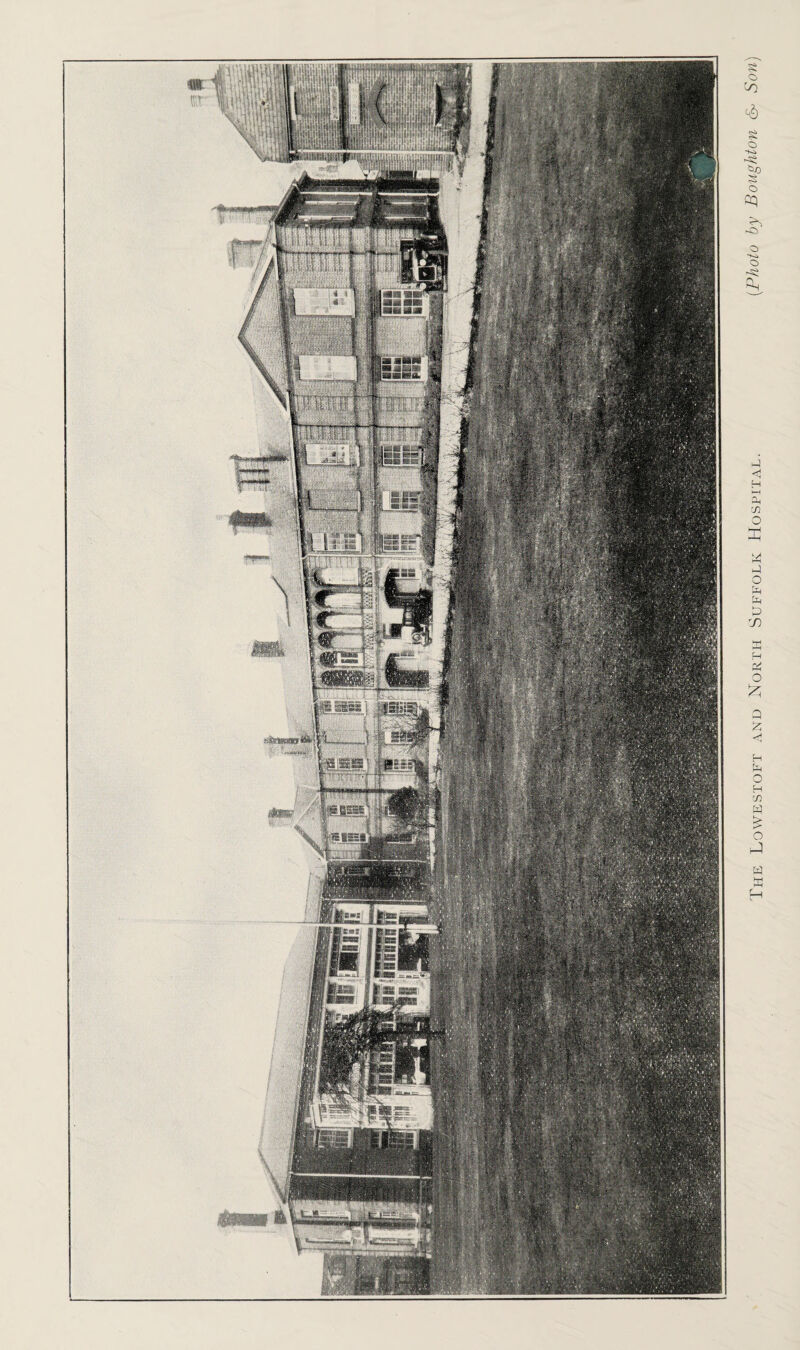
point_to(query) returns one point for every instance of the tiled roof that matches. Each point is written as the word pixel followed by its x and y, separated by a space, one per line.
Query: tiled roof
pixel 251 95
pixel 292 623
pixel 262 337
pixel 289 1049
pixel 307 819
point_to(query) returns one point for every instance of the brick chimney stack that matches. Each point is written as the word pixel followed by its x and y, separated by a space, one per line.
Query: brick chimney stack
pixel 244 252
pixel 203 93
pixel 244 215
pixel 275 746
pixel 264 1223
pixel 251 472
pixel 251 522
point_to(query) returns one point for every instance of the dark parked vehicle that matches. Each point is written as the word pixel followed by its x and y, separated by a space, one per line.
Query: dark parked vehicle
pixel 423 262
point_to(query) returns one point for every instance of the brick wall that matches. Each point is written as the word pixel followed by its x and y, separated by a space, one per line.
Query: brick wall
pixel 401 337
pixel 400 107
pixel 314 126
pixel 304 110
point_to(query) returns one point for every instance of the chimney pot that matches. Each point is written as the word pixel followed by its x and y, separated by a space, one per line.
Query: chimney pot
pixel 287 745
pixel 244 215
pixel 251 472
pixel 251 522
pixel 269 651
pixel 244 252
pixel 265 1222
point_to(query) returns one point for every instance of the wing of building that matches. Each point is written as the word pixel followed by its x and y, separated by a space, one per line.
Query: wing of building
pixel 345 349
pixel 346 1276
pixel 388 115
pixel 343 330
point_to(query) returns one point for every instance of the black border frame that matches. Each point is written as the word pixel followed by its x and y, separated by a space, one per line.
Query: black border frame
pixel 423 1300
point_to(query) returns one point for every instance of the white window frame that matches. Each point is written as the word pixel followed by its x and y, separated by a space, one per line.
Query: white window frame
pixel 400 990
pixel 354 103
pixel 396 1143
pixel 398 736
pixel 327 1143
pixel 401 1237
pixel 325 1212
pixel 348 837
pixel 336 542
pixel 399 543
pixel 389 1138
pixel 345 763
pixel 400 707
pixel 343 707
pixel 348 657
pixel 344 542
pixel 333 1111
pixel 346 940
pixel 401 455
pixel 344 993
pixel 403 369
pixel 381 1069
pixel 314 213
pixel 398 765
pixel 341 453
pixel 324 301
pixel 322 366
pixel 413 303
pixel 347 810
pixel 402 499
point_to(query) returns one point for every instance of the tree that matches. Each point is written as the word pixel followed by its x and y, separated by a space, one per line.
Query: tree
pixel 404 804
pixel 348 1042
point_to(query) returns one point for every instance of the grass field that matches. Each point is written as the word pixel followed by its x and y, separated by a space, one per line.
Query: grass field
pixel 577 1141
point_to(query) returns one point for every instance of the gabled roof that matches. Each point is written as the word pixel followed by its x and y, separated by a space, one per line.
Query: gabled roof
pixel 307 821
pixel 289 1049
pixel 252 96
pixel 261 334
pixel 291 619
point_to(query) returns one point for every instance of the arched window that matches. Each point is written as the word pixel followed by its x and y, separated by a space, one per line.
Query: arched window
pixel 337 577
pixel 398 590
pixel 342 678
pixel 342 642
pixel 402 673
pixel 341 598
pixel 343 621
pixel 342 658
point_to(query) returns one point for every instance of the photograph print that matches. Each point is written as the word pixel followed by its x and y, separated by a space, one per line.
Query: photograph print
pixel 392 471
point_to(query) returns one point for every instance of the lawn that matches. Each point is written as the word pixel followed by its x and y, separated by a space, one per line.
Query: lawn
pixel 577 1089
